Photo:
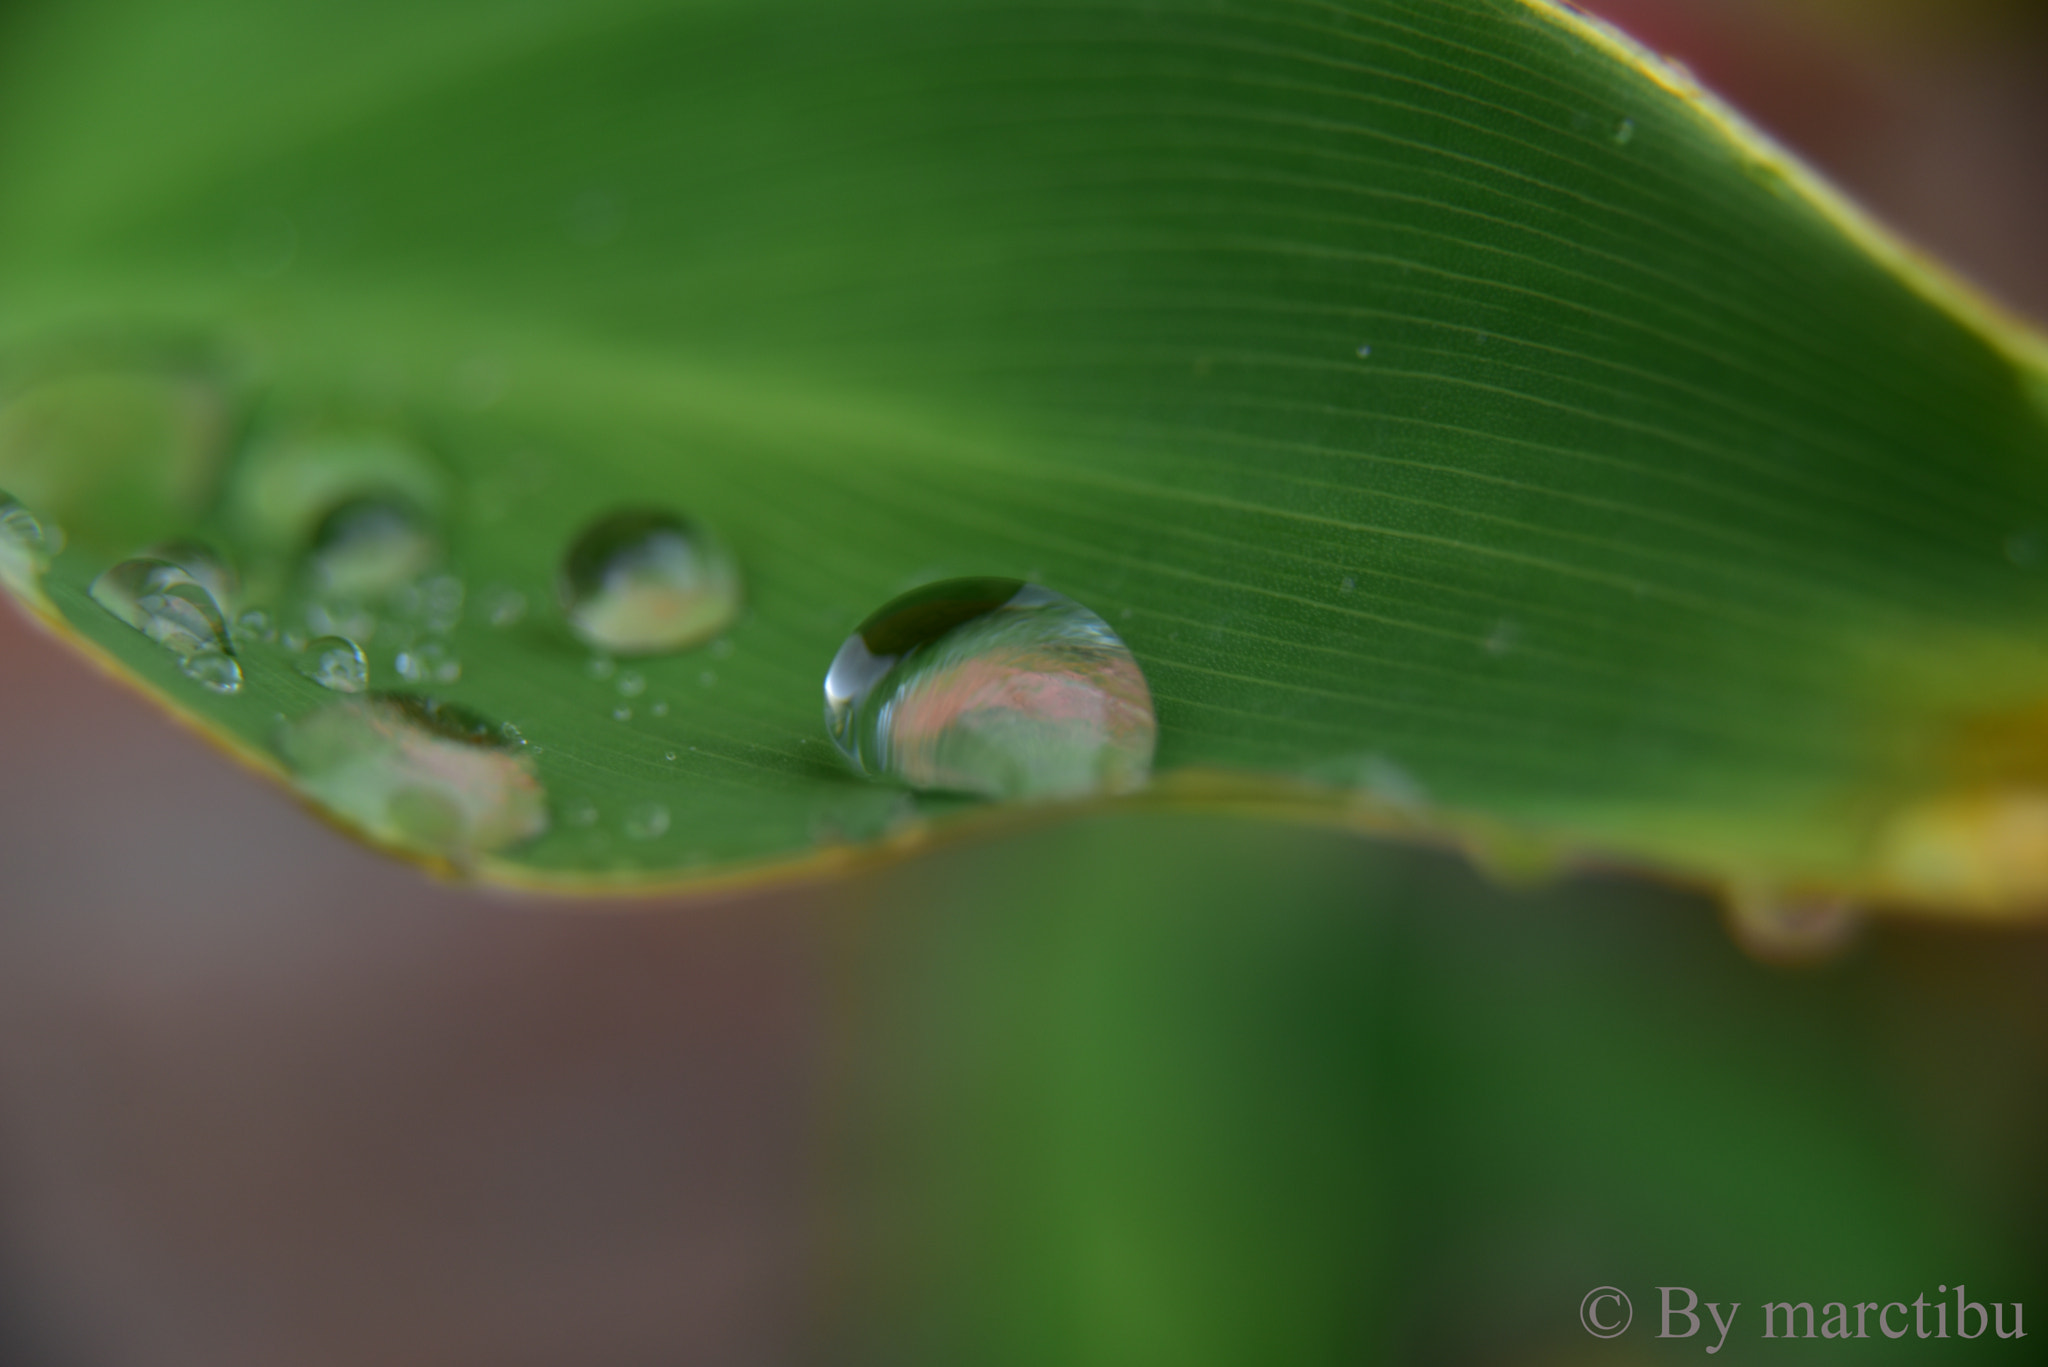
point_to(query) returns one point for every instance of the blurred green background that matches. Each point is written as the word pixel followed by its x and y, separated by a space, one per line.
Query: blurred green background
pixel 1135 1090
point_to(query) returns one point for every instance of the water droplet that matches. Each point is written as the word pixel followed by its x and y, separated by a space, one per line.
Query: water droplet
pixel 221 673
pixel 417 773
pixel 256 625
pixel 165 604
pixel 580 811
pixel 991 686
pixel 27 531
pixel 370 546
pixel 1364 352
pixel 632 684
pixel 1503 637
pixel 428 662
pixel 622 713
pixel 659 709
pixel 601 667
pixel 1347 583
pixel 293 479
pixel 639 582
pixel 1624 132
pixel 505 607
pixel 294 641
pixel 512 734
pixel 669 755
pixel 648 821
pixel 27 545
pixel 203 564
pixel 336 662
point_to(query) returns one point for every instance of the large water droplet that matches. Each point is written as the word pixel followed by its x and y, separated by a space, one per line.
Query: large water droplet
pixel 417 773
pixel 336 662
pixel 992 686
pixel 164 603
pixel 637 582
pixel 370 546
pixel 204 564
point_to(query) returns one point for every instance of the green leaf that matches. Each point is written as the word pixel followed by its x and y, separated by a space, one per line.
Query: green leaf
pixel 1471 429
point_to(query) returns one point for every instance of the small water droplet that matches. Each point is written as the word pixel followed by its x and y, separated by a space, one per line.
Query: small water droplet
pixel 505 607
pixel 1347 583
pixel 27 545
pixel 256 625
pixel 1502 639
pixel 1364 352
pixel 336 662
pixel 512 734
pixel 659 709
pixel 632 684
pixel 648 821
pixel 165 604
pixel 601 667
pixel 669 755
pixel 417 773
pixel 220 673
pixel 370 546
pixel 294 641
pixel 622 713
pixel 1624 132
pixel 640 582
pixel 580 811
pixel 427 662
pixel 991 686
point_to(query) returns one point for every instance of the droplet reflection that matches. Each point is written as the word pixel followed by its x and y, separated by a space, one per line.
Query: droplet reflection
pixel 639 582
pixel 336 663
pixel 417 773
pixel 992 686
